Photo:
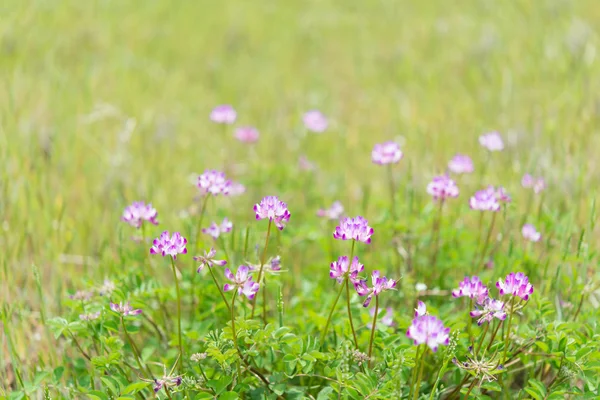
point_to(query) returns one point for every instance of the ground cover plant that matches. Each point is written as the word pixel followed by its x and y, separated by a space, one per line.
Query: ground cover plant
pixel 299 200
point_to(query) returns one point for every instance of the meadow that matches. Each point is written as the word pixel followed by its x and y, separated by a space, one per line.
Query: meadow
pixel 352 115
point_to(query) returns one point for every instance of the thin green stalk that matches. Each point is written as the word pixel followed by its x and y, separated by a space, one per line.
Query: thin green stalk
pixel 214 278
pixel 485 330
pixel 470 389
pixel 512 304
pixel 487 240
pixel 469 323
pixel 413 375
pixel 392 192
pixel 347 279
pixel 260 272
pixel 178 315
pixel 373 330
pixel 436 235
pixel 421 367
pixel 136 352
pixel 438 378
pixel 331 313
pixel 200 218
pixel 493 337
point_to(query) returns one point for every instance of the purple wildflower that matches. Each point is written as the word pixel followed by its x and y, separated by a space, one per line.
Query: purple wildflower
pixel 208 260
pixel 341 269
pixel 516 284
pixel 353 229
pixel 107 288
pixel 386 320
pixel 82 295
pixel 216 230
pixel 421 309
pixel 236 189
pixel 461 164
pixel 485 200
pixel 242 281
pixel 530 233
pixel 538 184
pixel 213 182
pixel 166 381
pixel 272 265
pixel 138 212
pixel 166 244
pixel 386 153
pixel 380 284
pixel 492 141
pixel 471 288
pixel 223 114
pixel 428 330
pixel 489 310
pixel 334 212
pixel 89 316
pixel 442 187
pixel 274 209
pixel 247 134
pixel 275 263
pixel 124 309
pixel 315 121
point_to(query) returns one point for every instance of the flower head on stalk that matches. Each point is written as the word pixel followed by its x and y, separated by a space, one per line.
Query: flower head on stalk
pixel 315 121
pixel 353 229
pixel 334 212
pixel 213 182
pixel 429 330
pixel 472 288
pixel 380 284
pixel 530 182
pixel 515 284
pixel 138 213
pixel 461 164
pixel 242 281
pixel 442 188
pixel 124 309
pixel 215 230
pixel 223 114
pixel 530 233
pixel 270 207
pixel 488 310
pixel 342 268
pixel 166 381
pixel 386 153
pixel 208 260
pixel 492 141
pixel 169 245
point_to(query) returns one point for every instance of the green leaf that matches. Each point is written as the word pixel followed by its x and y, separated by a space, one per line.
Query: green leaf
pixel 135 387
pixel 97 395
pixel 219 385
pixel 325 393
pixel 229 396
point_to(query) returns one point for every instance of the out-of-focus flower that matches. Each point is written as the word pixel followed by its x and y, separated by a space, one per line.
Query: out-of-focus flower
pixel 82 295
pixel 386 153
pixel 538 184
pixel 197 357
pixel 502 195
pixel 315 121
pixel 236 189
pixel 107 288
pixel 275 263
pixel 272 265
pixel 472 288
pixel 247 134
pixel 380 284
pixel 489 310
pixel 485 200
pixel 208 260
pixel 138 212
pixel 421 309
pixel 166 244
pixel 515 284
pixel 387 319
pixel 420 287
pixel 223 114
pixel 89 316
pixel 428 330
pixel 442 188
pixel 461 164
pixel 530 233
pixel 242 281
pixel 341 269
pixel 492 141
pixel 305 164
pixel 274 209
pixel 334 212
pixel 213 182
pixel 216 230
pixel 124 309
pixel 356 228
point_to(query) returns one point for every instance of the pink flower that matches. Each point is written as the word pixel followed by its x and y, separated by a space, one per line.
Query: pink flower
pixel 386 153
pixel 247 134
pixel 274 209
pixel 516 284
pixel 208 260
pixel 537 184
pixel 421 309
pixel 138 212
pixel 472 288
pixel 224 114
pixel 124 309
pixel 442 188
pixel 380 284
pixel 387 319
pixel 305 164
pixel 461 164
pixel 315 121
pixel 236 189
pixel 530 233
pixel 166 244
pixel 492 141
pixel 213 182
pixel 354 229
pixel 428 330
pixel 242 281
pixel 502 195
pixel 485 200
pixel 341 269
pixel 90 316
pixel 489 310
pixel 216 230
pixel 334 212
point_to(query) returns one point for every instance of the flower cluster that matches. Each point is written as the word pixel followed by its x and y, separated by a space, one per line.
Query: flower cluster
pixel 208 260
pixel 429 330
pixel 334 212
pixel 485 200
pixel 166 244
pixel 472 288
pixel 315 121
pixel 247 134
pixel 124 309
pixel 242 281
pixel 461 164
pixel 516 284
pixel 488 310
pixel 380 284
pixel 138 212
pixel 274 209
pixel 442 188
pixel 530 182
pixel 386 153
pixel 342 268
pixel 214 183
pixel 223 114
pixel 215 230
pixel 353 229
pixel 530 233
pixel 492 141
pixel 166 381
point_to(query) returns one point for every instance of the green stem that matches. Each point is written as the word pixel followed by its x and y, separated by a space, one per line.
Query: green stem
pixel 413 375
pixel 373 330
pixel 470 389
pixel 392 192
pixel 350 312
pixel 487 240
pixel 331 313
pixel 260 272
pixel 493 337
pixel 512 304
pixel 138 358
pixel 436 235
pixel 485 330
pixel 469 323
pixel 214 278
pixel 200 218
pixel 417 387
pixel 437 379
pixel 178 314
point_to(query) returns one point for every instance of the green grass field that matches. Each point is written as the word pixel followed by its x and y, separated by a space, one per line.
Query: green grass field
pixel 103 103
